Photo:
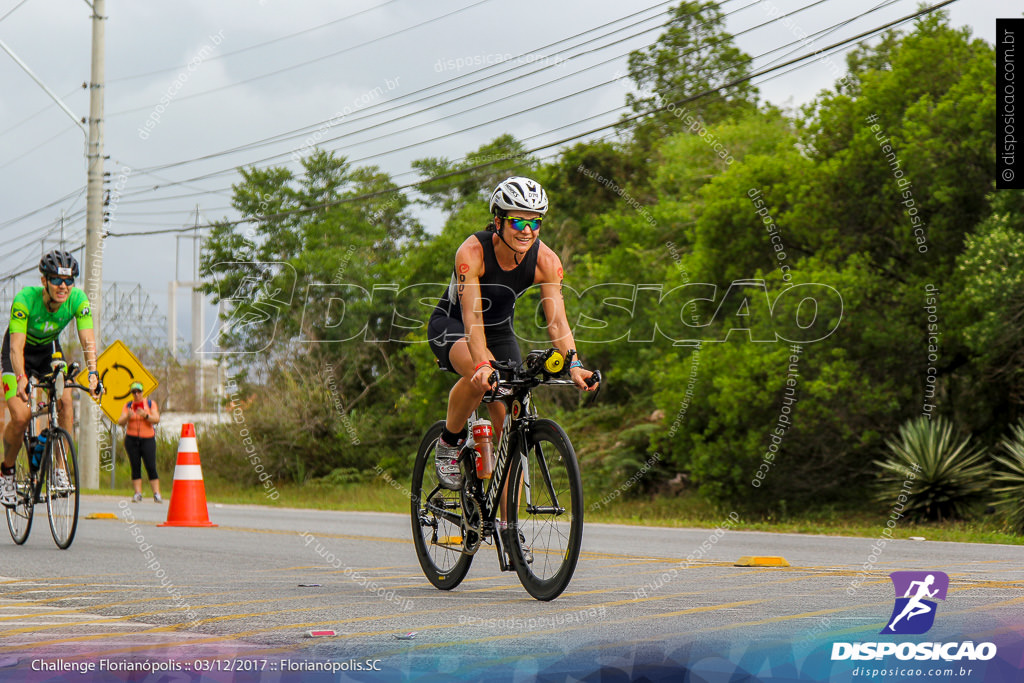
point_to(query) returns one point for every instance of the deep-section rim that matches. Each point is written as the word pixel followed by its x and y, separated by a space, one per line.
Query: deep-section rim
pixel 454 570
pixel 548 536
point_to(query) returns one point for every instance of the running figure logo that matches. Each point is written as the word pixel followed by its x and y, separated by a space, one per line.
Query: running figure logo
pixel 913 614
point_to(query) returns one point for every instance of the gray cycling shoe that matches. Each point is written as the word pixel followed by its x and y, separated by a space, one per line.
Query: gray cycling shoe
pixel 8 491
pixel 446 462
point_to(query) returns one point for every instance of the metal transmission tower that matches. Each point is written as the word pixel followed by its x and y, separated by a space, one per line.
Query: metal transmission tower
pixel 9 287
pixel 129 314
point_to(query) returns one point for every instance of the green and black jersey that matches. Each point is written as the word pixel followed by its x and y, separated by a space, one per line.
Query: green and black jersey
pixel 30 316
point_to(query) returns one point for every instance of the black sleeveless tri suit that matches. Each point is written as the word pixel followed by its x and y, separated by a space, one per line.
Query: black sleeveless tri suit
pixel 499 290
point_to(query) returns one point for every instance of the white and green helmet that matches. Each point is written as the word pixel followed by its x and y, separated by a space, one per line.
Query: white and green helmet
pixel 519 194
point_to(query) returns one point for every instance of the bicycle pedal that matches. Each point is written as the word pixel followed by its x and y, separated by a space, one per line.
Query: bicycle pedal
pixel 449 541
pixel 454 544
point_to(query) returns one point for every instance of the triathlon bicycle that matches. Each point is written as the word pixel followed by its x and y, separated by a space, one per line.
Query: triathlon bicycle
pixel 54 478
pixel 534 459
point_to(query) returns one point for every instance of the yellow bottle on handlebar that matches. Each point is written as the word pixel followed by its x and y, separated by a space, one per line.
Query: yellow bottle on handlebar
pixel 554 363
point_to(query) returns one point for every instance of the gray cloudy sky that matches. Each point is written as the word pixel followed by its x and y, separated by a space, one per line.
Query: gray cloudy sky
pixel 218 95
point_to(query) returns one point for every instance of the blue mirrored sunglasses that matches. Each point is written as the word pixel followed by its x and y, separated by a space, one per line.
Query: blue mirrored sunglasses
pixel 56 281
pixel 523 223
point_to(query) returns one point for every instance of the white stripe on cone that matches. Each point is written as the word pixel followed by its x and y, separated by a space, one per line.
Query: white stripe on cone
pixel 188 445
pixel 188 472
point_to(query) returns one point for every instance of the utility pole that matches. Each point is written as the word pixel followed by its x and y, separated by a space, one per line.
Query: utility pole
pixel 88 442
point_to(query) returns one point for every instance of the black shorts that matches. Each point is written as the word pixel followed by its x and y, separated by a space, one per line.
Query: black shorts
pixel 37 358
pixel 141 449
pixel 443 332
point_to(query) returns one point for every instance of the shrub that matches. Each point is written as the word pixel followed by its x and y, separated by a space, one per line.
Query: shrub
pixel 294 427
pixel 948 474
pixel 1010 498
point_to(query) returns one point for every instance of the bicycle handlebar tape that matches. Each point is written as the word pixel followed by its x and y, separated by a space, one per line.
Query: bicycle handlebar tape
pixel 188 496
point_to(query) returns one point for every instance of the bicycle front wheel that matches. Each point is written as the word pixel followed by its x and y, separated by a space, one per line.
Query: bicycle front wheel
pixel 61 487
pixel 19 517
pixel 436 520
pixel 546 508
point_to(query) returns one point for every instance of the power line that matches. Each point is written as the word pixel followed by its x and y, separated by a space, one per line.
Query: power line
pixel 286 69
pixel 836 27
pixel 33 241
pixel 192 195
pixel 41 144
pixel 669 106
pixel 304 130
pixel 34 116
pixel 543 104
pixel 252 47
pixel 232 170
pixel 11 11
pixel 22 217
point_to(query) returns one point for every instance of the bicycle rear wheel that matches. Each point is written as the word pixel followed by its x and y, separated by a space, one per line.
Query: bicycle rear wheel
pixel 436 530
pixel 551 524
pixel 19 517
pixel 61 487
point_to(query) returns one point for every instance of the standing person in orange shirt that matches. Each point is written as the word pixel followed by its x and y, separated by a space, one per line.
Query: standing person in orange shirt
pixel 138 416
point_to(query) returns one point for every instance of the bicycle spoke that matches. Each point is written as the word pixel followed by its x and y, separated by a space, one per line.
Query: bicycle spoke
pixel 437 520
pixel 550 525
pixel 19 518
pixel 61 488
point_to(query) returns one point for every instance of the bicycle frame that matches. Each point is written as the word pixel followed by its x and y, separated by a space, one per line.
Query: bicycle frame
pixel 543 525
pixel 49 411
pixel 53 385
pixel 517 422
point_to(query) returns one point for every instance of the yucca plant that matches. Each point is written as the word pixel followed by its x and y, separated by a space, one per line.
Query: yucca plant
pixel 950 474
pixel 1010 498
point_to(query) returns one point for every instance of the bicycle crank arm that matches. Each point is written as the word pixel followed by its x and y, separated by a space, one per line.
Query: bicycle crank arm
pixel 453 543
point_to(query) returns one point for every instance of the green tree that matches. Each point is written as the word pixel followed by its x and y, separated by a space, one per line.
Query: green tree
pixel 459 183
pixel 989 304
pixel 694 55
pixel 913 149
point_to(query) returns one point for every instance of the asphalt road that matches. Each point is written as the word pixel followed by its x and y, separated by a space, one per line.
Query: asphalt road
pixel 254 586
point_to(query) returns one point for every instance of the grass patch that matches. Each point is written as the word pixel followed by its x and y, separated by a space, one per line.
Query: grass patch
pixel 681 512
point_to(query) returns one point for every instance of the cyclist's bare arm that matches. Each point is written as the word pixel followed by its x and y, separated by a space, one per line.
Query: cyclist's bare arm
pixel 18 363
pixel 549 277
pixel 469 266
pixel 88 341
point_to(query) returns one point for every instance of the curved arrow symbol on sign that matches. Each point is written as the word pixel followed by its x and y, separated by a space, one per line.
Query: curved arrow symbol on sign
pixel 131 375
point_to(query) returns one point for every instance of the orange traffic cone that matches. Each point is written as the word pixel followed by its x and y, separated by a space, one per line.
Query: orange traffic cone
pixel 188 497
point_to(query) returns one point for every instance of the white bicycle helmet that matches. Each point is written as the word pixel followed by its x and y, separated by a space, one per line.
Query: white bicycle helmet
pixel 519 194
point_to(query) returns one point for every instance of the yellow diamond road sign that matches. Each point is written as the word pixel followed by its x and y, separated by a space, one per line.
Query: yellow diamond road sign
pixel 118 368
